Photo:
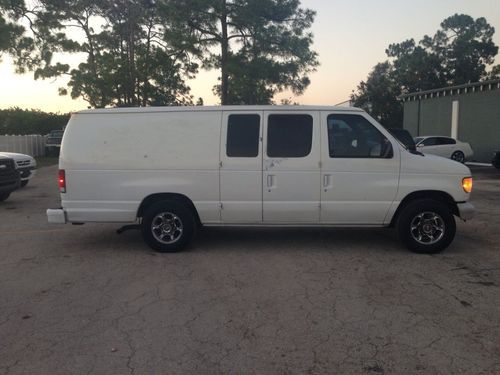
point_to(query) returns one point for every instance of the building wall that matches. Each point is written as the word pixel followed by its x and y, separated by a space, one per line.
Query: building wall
pixel 478 120
pixel 410 121
pixel 479 123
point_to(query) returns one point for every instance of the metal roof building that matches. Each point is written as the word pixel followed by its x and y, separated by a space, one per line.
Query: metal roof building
pixel 468 112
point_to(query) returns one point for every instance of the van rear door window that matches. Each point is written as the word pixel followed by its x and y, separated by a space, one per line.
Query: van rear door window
pixel 243 132
pixel 289 136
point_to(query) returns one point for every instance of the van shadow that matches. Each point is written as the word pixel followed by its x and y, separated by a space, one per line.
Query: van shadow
pixel 258 240
pixel 294 239
pixel 232 240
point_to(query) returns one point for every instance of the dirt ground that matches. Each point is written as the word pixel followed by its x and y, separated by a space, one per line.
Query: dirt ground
pixel 84 300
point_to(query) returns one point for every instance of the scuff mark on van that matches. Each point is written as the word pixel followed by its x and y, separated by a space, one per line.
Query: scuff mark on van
pixel 274 163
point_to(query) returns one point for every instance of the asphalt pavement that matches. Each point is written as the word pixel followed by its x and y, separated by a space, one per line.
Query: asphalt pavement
pixel 85 300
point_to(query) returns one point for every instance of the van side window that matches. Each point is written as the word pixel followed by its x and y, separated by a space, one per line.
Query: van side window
pixel 289 136
pixel 353 136
pixel 243 132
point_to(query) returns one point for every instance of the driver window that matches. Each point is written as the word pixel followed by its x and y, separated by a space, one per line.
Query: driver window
pixel 353 136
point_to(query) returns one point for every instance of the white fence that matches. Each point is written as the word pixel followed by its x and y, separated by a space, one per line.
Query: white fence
pixel 33 145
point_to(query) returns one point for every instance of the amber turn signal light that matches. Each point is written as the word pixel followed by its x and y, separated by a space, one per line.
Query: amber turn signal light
pixel 467 184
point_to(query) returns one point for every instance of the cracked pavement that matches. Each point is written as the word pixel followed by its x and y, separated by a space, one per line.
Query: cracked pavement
pixel 84 300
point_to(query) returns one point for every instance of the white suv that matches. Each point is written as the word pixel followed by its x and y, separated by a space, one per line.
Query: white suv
pixel 26 165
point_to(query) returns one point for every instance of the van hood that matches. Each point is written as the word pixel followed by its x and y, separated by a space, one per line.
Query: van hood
pixel 432 164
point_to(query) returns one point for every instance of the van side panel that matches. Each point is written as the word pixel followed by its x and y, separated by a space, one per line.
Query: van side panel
pixel 113 161
pixel 428 173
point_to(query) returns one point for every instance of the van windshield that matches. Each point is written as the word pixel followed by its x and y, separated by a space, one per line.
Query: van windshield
pixel 418 140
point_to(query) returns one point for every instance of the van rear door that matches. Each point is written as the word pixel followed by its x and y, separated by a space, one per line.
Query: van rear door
pixel 241 167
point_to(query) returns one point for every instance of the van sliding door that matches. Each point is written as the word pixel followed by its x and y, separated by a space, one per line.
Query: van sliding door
pixel 241 167
pixel 291 167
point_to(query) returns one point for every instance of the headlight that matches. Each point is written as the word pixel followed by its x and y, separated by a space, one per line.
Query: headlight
pixel 467 184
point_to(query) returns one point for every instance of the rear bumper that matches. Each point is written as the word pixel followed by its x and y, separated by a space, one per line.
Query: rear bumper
pixel 56 216
pixel 466 210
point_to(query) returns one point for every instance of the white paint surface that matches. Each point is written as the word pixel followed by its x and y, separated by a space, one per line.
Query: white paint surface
pixel 455 106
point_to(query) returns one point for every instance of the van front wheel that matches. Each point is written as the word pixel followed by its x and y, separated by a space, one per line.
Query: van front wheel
pixel 168 226
pixel 426 226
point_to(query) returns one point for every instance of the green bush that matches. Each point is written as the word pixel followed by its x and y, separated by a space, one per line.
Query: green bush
pixel 30 121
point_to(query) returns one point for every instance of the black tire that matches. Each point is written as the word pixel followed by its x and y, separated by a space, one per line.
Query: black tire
pixel 4 196
pixel 24 183
pixel 177 226
pixel 458 156
pixel 419 216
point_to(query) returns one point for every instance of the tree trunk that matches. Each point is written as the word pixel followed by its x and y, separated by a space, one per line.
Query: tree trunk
pixel 224 56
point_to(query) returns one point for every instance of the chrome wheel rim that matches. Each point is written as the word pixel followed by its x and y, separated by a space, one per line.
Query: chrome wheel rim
pixel 458 156
pixel 167 228
pixel 427 228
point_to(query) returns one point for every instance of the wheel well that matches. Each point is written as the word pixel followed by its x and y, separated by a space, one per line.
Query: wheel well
pixel 436 195
pixel 154 198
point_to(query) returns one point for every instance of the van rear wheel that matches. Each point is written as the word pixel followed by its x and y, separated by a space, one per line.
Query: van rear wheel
pixel 168 226
pixel 426 226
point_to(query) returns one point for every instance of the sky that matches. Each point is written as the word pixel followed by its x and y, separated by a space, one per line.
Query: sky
pixel 350 36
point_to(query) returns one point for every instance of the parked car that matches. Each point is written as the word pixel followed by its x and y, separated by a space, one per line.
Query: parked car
pixel 170 170
pixel 444 146
pixel 26 166
pixel 9 177
pixel 53 143
pixel 496 159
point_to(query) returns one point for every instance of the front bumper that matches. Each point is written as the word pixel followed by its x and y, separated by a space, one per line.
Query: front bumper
pixel 27 172
pixel 466 210
pixel 56 216
pixel 9 183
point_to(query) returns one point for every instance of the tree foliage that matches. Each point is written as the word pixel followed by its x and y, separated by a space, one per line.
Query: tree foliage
pixel 378 95
pixel 142 52
pixel 12 33
pixel 261 47
pixel 23 121
pixel 465 46
pixel 461 51
pixel 127 58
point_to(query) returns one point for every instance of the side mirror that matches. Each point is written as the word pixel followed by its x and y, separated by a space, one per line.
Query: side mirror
pixel 420 145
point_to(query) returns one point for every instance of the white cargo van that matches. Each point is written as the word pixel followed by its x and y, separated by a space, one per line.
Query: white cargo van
pixel 173 169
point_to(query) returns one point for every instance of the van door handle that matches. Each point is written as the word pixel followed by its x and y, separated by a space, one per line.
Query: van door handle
pixel 327 181
pixel 270 181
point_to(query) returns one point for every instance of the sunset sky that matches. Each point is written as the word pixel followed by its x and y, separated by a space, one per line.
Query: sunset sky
pixel 350 36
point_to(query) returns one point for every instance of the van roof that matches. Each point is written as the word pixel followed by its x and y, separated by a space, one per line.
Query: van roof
pixel 219 108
